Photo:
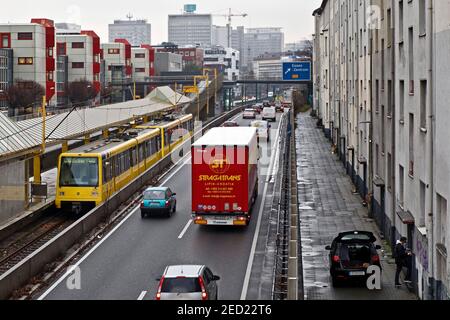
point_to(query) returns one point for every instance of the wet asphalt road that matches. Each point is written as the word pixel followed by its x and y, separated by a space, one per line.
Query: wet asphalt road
pixel 125 266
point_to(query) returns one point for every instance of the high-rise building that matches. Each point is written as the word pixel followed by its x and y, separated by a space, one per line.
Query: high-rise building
pixel 136 32
pixel 259 41
pixel 191 29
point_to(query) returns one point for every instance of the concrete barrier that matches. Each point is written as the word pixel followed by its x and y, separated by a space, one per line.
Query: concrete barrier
pixel 34 264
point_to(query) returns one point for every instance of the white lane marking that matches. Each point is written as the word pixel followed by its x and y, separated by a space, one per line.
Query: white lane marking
pixel 142 295
pixel 79 262
pixel 258 227
pixel 185 229
pixel 70 271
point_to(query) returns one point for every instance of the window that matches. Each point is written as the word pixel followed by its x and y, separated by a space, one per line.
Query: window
pixel 61 49
pixel 139 55
pixel 423 105
pixel 139 70
pixel 383 128
pixel 422 18
pixel 377 95
pixel 50 52
pixel 401 190
pixel 5 40
pixel 423 214
pixel 77 65
pixel 411 144
pixel 389 28
pixel 25 36
pixel 389 172
pixel 400 21
pixel 77 45
pixel 389 97
pixel 25 61
pixel 79 172
pixel 50 76
pixel 411 60
pixel 113 51
pixel 402 101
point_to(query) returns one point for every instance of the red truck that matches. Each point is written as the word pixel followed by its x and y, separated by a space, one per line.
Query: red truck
pixel 225 176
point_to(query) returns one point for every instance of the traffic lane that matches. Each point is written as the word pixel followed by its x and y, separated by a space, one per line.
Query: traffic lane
pixel 134 256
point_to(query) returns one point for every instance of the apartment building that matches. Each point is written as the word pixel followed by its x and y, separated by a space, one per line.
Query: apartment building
pixel 117 57
pixel 225 60
pixel 192 56
pixel 83 52
pixel 143 61
pixel 33 46
pixel 190 29
pixel 380 82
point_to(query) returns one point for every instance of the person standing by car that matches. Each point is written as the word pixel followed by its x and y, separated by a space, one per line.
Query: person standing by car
pixel 401 260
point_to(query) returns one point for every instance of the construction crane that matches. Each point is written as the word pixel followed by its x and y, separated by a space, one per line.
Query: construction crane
pixel 229 16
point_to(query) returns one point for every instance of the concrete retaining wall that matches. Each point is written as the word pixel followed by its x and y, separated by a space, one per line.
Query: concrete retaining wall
pixel 13 196
pixel 20 275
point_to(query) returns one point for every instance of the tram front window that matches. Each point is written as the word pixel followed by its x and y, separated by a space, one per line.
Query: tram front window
pixel 78 172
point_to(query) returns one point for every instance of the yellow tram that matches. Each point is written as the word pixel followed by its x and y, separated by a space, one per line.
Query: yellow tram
pixel 89 175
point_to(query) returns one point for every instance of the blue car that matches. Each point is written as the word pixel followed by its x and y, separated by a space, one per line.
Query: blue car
pixel 158 201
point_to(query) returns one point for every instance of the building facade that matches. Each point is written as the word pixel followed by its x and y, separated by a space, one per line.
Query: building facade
pixel 191 29
pixel 259 41
pixel 225 60
pixel 6 74
pixel 83 52
pixel 168 62
pixel 136 32
pixel 143 61
pixel 380 77
pixel 117 55
pixel 33 46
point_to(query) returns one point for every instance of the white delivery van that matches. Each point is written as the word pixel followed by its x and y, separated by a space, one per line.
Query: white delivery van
pixel 269 114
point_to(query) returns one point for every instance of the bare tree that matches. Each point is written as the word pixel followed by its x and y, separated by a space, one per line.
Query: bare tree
pixel 22 96
pixel 81 92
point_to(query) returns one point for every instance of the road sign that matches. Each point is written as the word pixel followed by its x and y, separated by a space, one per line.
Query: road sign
pixel 297 71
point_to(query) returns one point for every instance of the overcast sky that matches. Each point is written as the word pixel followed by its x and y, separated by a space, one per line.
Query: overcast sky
pixel 294 16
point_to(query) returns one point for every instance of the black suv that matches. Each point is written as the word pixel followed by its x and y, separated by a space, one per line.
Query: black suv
pixel 351 254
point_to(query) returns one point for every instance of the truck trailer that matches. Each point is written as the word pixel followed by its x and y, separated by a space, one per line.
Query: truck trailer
pixel 225 176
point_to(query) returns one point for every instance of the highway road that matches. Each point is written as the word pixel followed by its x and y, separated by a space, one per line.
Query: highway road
pixel 127 262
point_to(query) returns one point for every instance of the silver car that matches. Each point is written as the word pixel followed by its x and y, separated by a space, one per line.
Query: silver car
pixel 188 283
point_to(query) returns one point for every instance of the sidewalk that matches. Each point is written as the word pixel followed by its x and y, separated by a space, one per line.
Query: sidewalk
pixel 328 207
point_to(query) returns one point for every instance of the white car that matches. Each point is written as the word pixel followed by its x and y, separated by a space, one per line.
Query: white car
pixel 249 114
pixel 188 282
pixel 269 114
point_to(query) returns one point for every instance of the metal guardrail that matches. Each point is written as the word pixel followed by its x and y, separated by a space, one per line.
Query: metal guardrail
pixel 34 264
pixel 280 272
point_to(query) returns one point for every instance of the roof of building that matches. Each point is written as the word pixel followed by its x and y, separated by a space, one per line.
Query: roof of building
pixel 319 10
pixel 227 136
pixel 12 139
pixel 22 135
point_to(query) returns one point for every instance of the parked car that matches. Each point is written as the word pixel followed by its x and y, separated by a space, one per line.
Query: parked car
pixel 157 201
pixel 188 282
pixel 269 114
pixel 249 114
pixel 263 129
pixel 230 124
pixel 351 254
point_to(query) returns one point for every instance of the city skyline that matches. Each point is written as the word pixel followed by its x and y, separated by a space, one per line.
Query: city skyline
pixel 297 21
